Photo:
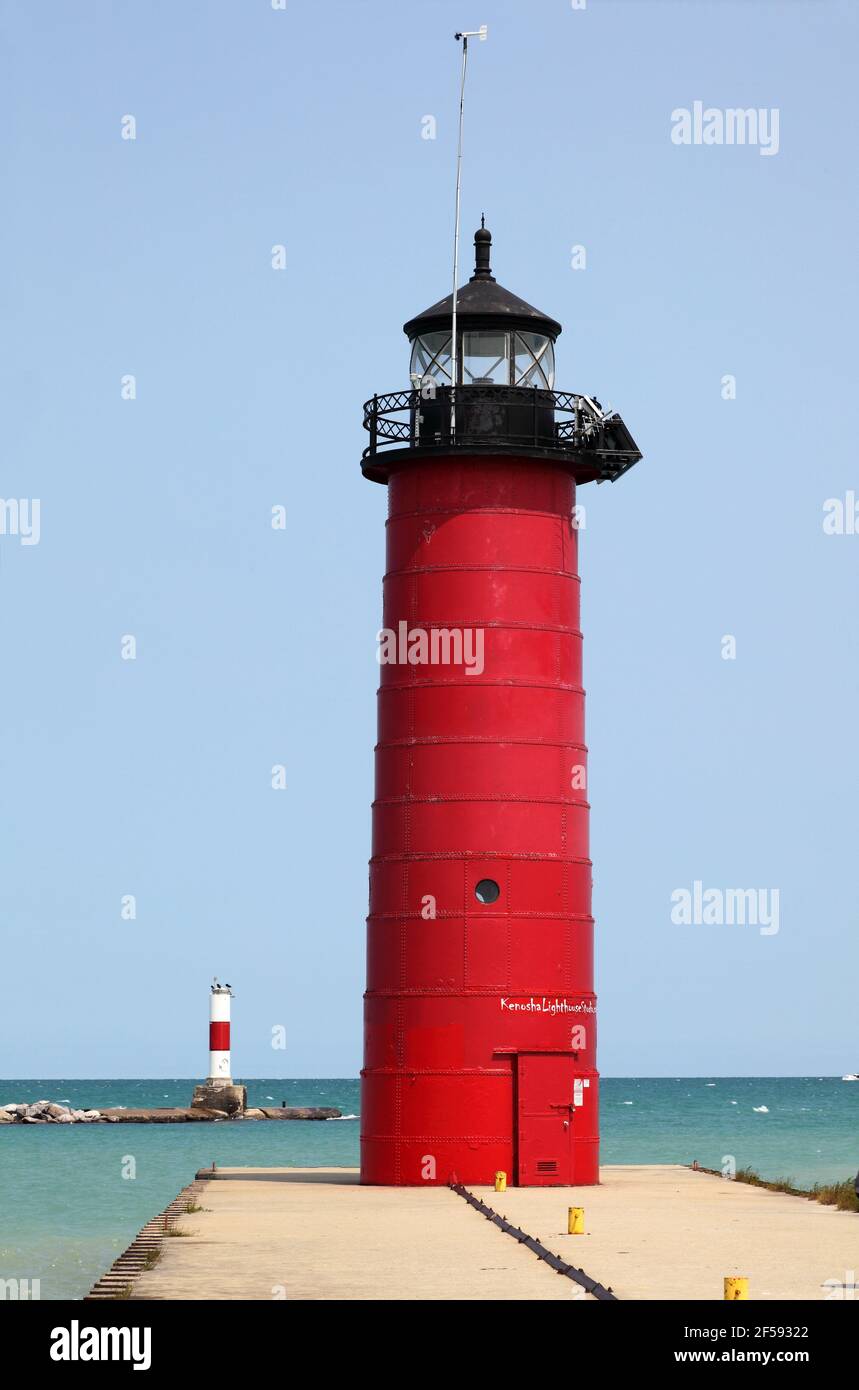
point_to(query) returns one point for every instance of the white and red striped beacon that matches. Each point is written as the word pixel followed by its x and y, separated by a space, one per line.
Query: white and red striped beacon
pixel 219 1034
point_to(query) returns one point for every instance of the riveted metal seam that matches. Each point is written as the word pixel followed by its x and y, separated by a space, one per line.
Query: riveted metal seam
pixel 453 915
pixel 436 741
pixel 431 511
pixel 549 571
pixel 427 683
pixel 476 991
pixel 488 625
pixel 459 798
pixel 447 854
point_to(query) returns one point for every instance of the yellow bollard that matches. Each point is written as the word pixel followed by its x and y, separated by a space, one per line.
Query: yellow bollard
pixel 575 1221
pixel 736 1287
pixel 500 1182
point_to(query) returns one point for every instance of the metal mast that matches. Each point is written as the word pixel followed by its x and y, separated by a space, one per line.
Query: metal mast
pixel 463 37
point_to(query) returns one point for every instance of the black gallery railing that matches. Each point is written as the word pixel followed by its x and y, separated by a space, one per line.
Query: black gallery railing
pixel 501 417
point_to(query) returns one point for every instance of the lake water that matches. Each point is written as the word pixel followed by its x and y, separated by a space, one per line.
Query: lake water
pixel 67 1211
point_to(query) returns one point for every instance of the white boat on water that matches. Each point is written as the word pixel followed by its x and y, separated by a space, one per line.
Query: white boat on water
pixel 852 1076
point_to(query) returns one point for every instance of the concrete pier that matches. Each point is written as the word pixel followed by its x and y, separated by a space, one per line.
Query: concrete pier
pixel 655 1232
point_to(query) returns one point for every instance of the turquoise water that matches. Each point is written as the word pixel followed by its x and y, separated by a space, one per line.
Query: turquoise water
pixel 67 1210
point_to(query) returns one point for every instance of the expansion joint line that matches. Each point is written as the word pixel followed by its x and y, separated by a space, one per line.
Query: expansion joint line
pixel 553 1261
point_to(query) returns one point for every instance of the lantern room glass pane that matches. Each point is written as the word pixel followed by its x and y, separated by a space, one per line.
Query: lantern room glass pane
pixel 431 358
pixel 486 359
pixel 534 361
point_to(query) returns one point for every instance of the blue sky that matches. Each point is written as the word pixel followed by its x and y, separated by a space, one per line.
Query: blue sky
pixel 302 127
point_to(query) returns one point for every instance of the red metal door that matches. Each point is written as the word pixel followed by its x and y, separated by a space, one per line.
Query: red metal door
pixel 545 1119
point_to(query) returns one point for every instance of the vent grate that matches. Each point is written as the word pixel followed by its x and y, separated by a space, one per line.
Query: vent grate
pixel 547 1165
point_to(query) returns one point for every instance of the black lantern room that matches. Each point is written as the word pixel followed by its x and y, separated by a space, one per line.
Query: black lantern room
pixel 502 399
pixel 501 340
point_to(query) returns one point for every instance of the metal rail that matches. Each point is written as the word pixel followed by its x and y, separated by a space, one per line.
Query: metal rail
pixel 531 1243
pixel 503 417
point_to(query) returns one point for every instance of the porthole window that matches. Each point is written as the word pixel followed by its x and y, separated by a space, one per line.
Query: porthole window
pixel 487 891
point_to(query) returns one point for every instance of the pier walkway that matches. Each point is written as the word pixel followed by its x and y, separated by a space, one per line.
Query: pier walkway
pixel 660 1232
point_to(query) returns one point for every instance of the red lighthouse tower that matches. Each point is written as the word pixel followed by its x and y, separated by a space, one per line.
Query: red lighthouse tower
pixel 480 1022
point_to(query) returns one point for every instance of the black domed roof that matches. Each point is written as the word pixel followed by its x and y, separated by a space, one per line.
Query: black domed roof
pixel 483 303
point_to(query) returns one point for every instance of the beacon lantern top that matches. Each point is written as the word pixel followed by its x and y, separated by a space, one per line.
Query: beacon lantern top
pixel 501 340
pixel 503 400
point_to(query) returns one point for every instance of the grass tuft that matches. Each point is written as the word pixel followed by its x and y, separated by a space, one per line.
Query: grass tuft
pixel 841 1195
